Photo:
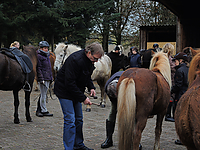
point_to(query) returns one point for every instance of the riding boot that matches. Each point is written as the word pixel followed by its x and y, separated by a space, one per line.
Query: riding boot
pixel 110 126
pixel 38 111
pixel 27 86
pixel 168 114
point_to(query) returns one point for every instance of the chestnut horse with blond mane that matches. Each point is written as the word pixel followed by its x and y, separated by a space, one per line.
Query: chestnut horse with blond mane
pixel 141 93
pixel 187 114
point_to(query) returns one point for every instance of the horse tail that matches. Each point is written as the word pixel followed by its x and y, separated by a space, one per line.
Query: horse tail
pixel 126 113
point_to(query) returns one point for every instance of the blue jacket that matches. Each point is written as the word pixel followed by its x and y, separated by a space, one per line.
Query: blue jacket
pixel 43 68
pixel 135 60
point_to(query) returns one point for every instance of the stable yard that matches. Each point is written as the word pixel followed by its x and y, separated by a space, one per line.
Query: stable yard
pixel 46 133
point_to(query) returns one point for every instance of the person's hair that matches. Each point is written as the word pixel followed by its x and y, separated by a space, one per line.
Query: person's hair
pixel 168 48
pixel 14 44
pixel 95 48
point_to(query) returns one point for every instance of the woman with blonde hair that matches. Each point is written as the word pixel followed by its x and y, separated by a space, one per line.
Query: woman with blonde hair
pixel 170 48
pixel 15 44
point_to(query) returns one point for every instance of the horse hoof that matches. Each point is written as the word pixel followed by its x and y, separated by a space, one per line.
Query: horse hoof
pixel 29 120
pixel 103 105
pixel 88 110
pixel 16 121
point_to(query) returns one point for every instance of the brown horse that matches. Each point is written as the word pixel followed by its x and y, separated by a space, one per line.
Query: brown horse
pixel 12 78
pixel 52 58
pixel 187 114
pixel 141 93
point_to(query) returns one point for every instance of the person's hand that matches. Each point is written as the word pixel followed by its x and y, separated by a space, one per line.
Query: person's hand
pixel 87 101
pixel 92 92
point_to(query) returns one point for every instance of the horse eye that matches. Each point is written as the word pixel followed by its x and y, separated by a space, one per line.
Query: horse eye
pixel 61 55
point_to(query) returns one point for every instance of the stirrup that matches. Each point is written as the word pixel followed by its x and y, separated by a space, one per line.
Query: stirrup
pixel 29 87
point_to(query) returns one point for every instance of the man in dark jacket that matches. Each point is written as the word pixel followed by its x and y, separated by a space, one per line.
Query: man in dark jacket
pixel 69 87
pixel 180 79
pixel 118 60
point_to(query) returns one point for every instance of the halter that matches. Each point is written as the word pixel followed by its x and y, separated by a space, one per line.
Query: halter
pixel 62 62
pixel 63 57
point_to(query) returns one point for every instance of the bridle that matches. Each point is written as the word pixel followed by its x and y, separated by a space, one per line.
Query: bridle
pixel 62 61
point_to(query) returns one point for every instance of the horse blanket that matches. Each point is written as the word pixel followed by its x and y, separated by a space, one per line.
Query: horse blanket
pixel 22 58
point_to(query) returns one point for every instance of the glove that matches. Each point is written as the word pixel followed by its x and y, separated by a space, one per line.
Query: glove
pixel 42 82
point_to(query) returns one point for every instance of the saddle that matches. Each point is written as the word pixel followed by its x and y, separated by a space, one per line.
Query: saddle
pixel 21 58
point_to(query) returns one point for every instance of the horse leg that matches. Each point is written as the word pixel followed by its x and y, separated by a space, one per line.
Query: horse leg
pixel 16 104
pixel 140 125
pixel 103 95
pixel 27 105
pixel 158 130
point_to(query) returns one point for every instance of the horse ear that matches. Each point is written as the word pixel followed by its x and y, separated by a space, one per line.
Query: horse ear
pixel 66 46
pixel 193 51
pixel 152 52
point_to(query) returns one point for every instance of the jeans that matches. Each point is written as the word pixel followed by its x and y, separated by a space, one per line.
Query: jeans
pixel 73 124
pixel 113 110
pixel 43 96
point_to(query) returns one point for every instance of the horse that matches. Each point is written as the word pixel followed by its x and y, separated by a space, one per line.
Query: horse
pixel 187 113
pixel 101 73
pixel 12 78
pixel 142 93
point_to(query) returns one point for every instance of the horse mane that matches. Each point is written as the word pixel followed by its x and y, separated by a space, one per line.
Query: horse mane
pixel 194 69
pixel 160 62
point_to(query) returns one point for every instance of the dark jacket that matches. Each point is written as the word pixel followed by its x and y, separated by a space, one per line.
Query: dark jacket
pixel 44 72
pixel 117 62
pixel 180 81
pixel 114 76
pixel 74 76
pixel 135 60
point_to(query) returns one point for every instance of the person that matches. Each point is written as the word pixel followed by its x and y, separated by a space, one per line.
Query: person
pixel 71 81
pixel 156 47
pixel 118 60
pixel 24 62
pixel 134 58
pixel 15 44
pixel 169 48
pixel 180 79
pixel 111 91
pixel 44 78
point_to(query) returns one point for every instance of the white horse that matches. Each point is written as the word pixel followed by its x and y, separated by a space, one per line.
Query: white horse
pixel 101 73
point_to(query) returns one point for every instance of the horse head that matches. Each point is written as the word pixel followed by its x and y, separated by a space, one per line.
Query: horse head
pixel 60 53
pixel 121 51
pixel 63 51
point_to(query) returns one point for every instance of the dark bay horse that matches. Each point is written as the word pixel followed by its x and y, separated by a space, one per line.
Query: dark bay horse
pixel 141 93
pixel 187 114
pixel 12 78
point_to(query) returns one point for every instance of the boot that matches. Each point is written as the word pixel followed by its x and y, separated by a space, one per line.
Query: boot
pixel 110 126
pixel 38 111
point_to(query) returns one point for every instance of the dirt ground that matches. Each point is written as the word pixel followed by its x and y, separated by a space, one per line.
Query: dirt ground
pixel 45 133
